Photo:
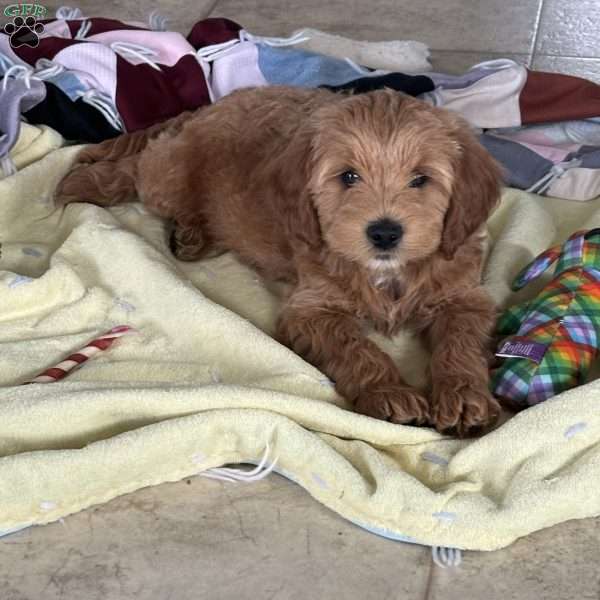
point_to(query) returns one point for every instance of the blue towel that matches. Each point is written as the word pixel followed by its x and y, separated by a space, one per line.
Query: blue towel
pixel 290 66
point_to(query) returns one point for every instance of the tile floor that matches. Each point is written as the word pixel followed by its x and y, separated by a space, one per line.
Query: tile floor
pixel 201 539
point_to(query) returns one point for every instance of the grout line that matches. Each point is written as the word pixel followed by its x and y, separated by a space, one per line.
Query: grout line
pixel 211 7
pixel 487 52
pixel 569 56
pixel 496 53
pixel 536 34
pixel 506 54
pixel 429 583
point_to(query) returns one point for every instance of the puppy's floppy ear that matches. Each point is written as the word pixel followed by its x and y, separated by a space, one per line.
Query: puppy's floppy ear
pixel 294 171
pixel 475 193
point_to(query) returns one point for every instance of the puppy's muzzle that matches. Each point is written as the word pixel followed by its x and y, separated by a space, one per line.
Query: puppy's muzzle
pixel 384 234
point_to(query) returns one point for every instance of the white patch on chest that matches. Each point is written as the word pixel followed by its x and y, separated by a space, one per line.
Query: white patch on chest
pixel 385 278
pixel 384 267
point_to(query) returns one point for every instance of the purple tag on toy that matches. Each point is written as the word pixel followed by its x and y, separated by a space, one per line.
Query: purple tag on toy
pixel 517 349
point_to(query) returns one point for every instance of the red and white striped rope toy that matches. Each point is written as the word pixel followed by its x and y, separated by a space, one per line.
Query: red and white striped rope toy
pixel 72 362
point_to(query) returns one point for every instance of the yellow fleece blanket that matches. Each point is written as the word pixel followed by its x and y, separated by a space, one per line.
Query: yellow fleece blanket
pixel 202 383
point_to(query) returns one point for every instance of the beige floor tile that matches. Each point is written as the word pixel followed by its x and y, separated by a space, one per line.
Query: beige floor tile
pixel 588 68
pixel 181 15
pixel 487 25
pixel 448 61
pixel 569 28
pixel 559 563
pixel 209 540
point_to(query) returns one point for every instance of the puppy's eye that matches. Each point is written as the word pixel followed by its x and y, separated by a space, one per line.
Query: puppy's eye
pixel 349 178
pixel 418 181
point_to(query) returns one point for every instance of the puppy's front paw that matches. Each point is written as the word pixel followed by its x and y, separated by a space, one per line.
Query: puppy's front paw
pixel 70 187
pixel 462 407
pixel 395 403
pixel 187 244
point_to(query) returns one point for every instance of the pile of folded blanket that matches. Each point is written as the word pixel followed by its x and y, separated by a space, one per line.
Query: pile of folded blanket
pixel 93 78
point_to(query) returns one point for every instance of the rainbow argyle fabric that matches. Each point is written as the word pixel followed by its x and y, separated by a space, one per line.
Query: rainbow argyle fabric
pixel 552 339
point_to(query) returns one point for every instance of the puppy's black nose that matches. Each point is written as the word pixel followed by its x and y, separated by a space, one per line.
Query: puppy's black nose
pixel 384 234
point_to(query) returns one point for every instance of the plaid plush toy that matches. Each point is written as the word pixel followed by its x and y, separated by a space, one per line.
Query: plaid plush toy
pixel 554 337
